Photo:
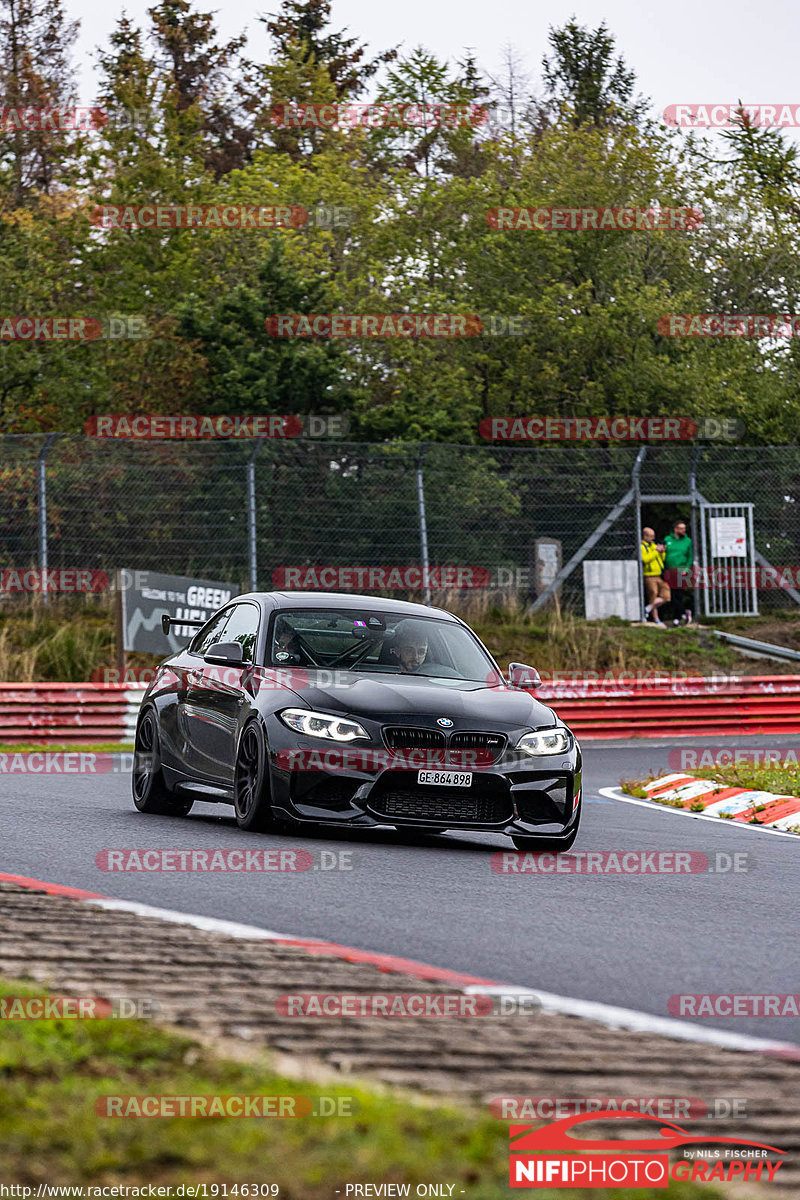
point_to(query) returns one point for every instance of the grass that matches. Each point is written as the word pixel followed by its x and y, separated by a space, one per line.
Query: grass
pixel 73 638
pixel 782 778
pixel 557 641
pixel 65 641
pixel 52 1071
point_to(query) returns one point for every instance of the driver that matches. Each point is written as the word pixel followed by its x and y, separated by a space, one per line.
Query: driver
pixel 410 647
pixel 286 648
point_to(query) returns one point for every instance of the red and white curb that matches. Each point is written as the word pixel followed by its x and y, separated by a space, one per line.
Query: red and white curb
pixel 610 1015
pixel 754 809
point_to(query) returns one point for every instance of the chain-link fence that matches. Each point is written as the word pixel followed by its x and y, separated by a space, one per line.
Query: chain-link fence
pixel 242 511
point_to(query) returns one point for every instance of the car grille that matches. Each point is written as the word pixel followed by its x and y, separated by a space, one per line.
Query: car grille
pixel 492 744
pixel 453 807
pixel 411 737
pixel 489 746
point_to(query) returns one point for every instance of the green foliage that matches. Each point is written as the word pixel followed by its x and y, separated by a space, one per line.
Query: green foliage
pixel 414 237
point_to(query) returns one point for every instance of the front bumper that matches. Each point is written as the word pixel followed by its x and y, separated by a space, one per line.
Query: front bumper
pixel 515 795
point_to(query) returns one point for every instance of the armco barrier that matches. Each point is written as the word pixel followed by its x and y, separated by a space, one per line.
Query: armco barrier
pixel 37 713
pixel 677 708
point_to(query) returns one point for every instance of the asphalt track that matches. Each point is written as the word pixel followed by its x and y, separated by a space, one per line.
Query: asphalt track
pixel 632 940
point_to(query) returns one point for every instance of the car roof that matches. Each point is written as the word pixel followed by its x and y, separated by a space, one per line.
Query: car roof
pixel 346 599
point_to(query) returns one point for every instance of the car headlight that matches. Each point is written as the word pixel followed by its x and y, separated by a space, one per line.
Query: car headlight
pixel 546 741
pixel 322 725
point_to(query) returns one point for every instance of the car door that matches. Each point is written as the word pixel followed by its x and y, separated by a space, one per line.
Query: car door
pixel 217 703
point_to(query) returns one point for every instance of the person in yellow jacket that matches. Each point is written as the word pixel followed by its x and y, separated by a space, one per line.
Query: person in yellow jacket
pixel 656 589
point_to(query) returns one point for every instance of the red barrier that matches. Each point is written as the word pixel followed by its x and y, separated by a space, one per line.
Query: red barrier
pixel 674 708
pixel 38 713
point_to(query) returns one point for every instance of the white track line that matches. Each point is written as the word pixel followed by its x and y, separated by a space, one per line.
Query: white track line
pixel 630 1018
pixel 618 794
pixel 609 1015
pixel 209 924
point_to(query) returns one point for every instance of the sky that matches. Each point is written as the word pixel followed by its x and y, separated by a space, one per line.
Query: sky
pixel 682 52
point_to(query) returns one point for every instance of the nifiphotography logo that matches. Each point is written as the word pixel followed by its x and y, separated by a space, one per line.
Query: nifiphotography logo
pixel 547 1156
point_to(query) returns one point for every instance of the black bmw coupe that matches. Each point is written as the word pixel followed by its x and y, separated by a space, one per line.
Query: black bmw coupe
pixel 335 709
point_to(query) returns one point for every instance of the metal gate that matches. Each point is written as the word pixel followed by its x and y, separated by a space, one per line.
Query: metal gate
pixel 728 576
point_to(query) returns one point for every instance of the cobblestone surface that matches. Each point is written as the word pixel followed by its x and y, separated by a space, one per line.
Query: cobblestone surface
pixel 224 990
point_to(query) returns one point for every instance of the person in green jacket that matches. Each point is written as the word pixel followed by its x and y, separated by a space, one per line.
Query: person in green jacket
pixel 678 556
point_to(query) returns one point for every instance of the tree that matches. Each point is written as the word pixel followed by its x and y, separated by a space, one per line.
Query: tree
pixel 198 75
pixel 446 109
pixel 35 40
pixel 249 371
pixel 583 77
pixel 513 107
pixel 303 24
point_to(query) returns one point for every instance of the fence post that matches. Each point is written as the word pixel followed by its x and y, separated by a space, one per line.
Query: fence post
pixel 41 488
pixel 637 494
pixel 251 514
pixel 423 528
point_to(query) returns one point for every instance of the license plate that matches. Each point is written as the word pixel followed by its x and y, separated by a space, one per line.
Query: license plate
pixel 446 778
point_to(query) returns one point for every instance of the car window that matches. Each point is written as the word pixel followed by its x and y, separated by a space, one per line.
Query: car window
pixel 242 627
pixel 210 633
pixel 365 640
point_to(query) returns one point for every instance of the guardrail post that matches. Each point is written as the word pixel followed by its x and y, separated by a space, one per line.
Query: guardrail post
pixel 251 514
pixel 41 490
pixel 695 502
pixel 637 494
pixel 423 528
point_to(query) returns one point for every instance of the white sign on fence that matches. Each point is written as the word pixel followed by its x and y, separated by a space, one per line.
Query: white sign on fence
pixel 728 537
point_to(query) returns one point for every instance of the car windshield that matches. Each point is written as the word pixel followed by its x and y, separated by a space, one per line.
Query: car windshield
pixel 350 639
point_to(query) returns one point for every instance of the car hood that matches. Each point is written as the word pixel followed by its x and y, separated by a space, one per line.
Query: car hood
pixel 383 698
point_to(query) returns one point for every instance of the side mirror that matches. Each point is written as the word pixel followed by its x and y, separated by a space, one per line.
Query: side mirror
pixel 225 654
pixel 520 676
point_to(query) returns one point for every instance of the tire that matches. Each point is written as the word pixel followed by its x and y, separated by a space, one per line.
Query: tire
pixel 251 801
pixel 150 792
